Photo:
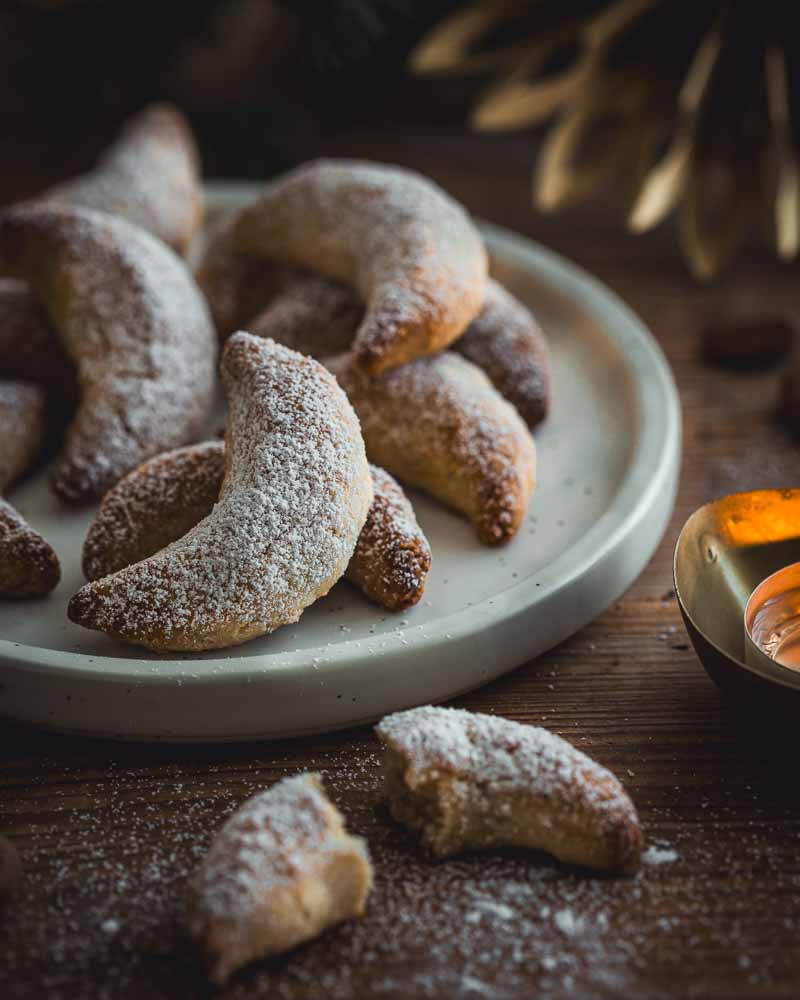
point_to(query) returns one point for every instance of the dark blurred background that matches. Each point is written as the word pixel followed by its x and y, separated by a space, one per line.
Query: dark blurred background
pixel 263 82
pixel 660 116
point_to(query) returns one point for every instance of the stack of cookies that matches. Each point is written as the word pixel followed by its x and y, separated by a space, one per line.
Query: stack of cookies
pixel 357 324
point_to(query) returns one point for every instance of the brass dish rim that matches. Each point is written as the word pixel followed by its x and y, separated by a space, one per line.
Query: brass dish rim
pixel 774 672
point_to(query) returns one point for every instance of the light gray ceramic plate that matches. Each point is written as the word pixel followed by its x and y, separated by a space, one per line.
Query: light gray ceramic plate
pixel 609 458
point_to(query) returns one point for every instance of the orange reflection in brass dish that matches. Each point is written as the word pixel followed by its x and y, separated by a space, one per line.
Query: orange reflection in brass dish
pixel 759 517
pixel 727 549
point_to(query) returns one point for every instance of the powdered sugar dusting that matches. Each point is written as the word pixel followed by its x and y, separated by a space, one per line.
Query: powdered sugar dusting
pixel 481 769
pixel 392 557
pixel 436 413
pixel 110 833
pixel 409 250
pixel 657 854
pixel 136 325
pixel 167 496
pixel 149 176
pixel 236 285
pixel 29 346
pixel 566 921
pixel 153 506
pixel 506 342
pixel 295 497
pixel 22 429
pixel 275 837
pixel 313 315
pixel 319 317
pixel 505 754
pixel 28 565
pixel 438 423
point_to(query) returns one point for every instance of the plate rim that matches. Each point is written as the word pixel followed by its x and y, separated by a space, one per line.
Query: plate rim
pixel 651 469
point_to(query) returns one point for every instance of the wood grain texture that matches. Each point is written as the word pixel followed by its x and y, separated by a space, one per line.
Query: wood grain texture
pixel 109 832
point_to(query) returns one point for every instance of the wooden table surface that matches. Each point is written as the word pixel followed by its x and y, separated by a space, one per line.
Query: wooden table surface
pixel 108 832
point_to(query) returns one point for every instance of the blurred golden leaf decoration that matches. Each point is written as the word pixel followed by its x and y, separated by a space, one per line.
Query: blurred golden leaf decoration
pixel 689 107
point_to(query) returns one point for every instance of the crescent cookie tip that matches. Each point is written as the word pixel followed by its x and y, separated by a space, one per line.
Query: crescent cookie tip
pixel 29 566
pixel 83 605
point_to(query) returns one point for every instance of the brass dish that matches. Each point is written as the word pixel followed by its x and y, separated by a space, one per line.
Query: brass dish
pixel 724 551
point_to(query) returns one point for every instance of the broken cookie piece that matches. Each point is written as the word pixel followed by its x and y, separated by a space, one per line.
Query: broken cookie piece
pixel 466 781
pixel 281 870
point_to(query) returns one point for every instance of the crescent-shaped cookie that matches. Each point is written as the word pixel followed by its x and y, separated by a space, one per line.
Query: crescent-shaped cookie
pixel 391 561
pixel 168 495
pixel 238 286
pixel 281 870
pixel 150 176
pixel 410 251
pixel 505 341
pixel 436 423
pixel 317 316
pixel 23 425
pixel 294 499
pixel 310 314
pixel 29 346
pixel 135 325
pixel 28 565
pixel 466 781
